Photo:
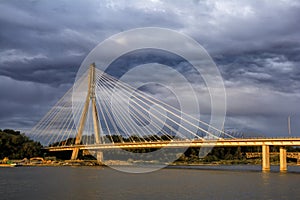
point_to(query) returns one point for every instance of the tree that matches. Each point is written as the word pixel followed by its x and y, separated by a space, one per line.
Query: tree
pixel 15 145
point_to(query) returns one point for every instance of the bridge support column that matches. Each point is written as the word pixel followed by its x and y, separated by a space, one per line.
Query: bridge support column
pixel 283 165
pixel 99 156
pixel 74 154
pixel 265 158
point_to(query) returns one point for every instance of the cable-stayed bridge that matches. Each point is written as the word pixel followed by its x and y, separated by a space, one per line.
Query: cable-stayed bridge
pixel 101 112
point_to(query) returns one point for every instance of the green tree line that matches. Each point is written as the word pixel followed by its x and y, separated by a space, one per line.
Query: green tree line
pixel 15 145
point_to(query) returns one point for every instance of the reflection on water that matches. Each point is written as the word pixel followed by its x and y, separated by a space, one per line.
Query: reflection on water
pixel 266 178
pixel 184 182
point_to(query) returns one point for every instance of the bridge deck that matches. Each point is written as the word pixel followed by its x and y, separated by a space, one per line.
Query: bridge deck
pixel 187 143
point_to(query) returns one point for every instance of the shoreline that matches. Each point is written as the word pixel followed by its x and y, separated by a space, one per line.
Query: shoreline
pixel 201 167
pixel 95 163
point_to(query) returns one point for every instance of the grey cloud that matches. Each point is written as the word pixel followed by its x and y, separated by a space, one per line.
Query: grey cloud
pixel 24 103
pixel 254 43
pixel 271 71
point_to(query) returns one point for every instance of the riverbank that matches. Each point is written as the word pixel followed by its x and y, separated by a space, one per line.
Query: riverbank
pixel 19 163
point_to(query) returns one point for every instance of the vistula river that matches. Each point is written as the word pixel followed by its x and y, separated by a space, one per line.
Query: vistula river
pixel 197 182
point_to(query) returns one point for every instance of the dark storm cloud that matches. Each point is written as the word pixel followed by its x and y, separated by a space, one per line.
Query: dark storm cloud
pixel 23 103
pixel 42 70
pixel 44 42
pixel 60 34
pixel 254 43
pixel 275 72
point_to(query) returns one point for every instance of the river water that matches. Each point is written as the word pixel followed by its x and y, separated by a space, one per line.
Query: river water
pixel 200 182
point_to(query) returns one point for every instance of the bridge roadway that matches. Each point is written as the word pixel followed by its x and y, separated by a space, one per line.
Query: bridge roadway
pixel 264 142
pixel 186 143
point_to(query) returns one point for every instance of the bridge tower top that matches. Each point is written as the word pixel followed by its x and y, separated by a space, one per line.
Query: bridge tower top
pixel 92 81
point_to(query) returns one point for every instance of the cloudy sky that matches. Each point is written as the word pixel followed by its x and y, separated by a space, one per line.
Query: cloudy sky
pixel 255 44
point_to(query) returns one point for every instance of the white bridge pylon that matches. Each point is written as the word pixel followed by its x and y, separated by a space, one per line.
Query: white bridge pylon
pixel 101 109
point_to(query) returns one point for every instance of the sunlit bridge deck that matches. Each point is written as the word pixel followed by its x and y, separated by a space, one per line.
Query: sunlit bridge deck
pixel 187 143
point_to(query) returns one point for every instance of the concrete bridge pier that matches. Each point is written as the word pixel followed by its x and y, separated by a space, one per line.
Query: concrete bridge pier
pixel 265 158
pixel 75 154
pixel 282 155
pixel 99 156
